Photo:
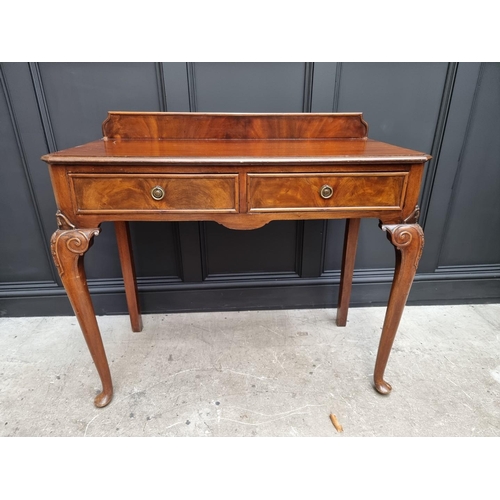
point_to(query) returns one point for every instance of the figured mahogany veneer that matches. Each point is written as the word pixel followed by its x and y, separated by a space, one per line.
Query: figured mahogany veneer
pixel 242 171
pixel 131 193
pixel 356 191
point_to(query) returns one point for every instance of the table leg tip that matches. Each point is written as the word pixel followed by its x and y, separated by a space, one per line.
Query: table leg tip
pixel 382 387
pixel 136 324
pixel 103 399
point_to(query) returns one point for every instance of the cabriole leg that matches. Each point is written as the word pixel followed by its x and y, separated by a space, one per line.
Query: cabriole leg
pixel 408 240
pixel 68 245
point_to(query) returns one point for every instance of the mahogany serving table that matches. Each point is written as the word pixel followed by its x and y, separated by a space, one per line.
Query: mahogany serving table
pixel 242 171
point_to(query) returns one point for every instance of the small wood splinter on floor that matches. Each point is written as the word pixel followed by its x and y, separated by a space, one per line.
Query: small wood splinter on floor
pixel 335 423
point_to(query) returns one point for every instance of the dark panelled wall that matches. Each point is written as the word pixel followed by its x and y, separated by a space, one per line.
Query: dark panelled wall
pixel 449 110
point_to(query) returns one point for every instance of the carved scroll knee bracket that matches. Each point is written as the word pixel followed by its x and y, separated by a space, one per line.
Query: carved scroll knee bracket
pixel 68 246
pixel 408 240
pixel 414 216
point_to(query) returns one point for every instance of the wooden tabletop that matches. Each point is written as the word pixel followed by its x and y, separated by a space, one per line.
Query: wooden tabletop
pixel 130 151
pixel 215 138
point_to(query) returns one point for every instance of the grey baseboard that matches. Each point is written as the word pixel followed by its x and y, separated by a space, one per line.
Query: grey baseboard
pixel 171 296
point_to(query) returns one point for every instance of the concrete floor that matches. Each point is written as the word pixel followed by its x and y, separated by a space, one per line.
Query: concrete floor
pixel 261 373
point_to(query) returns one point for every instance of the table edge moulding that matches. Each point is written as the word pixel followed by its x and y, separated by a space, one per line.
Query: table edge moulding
pixel 241 170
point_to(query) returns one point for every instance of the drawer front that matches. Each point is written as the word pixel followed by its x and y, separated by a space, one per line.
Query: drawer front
pixel 326 191
pixel 118 193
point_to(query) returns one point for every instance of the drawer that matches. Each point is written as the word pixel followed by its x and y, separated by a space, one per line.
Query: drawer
pixel 326 191
pixel 118 193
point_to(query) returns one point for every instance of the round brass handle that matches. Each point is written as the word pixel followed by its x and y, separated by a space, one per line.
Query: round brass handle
pixel 157 193
pixel 326 191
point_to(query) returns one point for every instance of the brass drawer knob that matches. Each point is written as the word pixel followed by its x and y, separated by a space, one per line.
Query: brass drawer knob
pixel 157 193
pixel 326 191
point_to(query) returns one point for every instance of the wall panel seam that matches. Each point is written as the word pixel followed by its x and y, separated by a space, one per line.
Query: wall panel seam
pixel 27 175
pixel 160 82
pixel 336 87
pixel 437 143
pixel 458 172
pixel 191 82
pixel 308 87
pixel 43 108
pixel 299 247
pixel 203 239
